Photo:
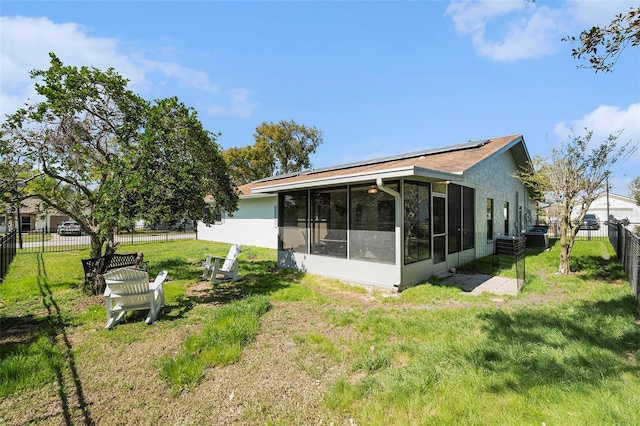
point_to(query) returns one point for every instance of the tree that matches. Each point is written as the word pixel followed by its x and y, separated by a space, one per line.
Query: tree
pixel 102 155
pixel 634 189
pixel 570 179
pixel 249 163
pixel 279 148
pixel 603 45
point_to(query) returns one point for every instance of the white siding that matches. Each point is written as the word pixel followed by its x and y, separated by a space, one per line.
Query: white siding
pixel 495 179
pixel 355 271
pixel 255 223
pixel 620 207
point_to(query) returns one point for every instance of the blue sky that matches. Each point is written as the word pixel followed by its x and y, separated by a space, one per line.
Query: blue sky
pixel 378 78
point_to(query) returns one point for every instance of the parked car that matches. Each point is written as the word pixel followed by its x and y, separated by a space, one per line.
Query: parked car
pixel 590 221
pixel 69 228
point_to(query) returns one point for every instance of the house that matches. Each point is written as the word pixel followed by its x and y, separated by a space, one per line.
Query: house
pixel 33 215
pixel 620 207
pixel 390 222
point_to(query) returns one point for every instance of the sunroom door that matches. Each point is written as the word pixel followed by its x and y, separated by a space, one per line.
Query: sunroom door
pixel 439 233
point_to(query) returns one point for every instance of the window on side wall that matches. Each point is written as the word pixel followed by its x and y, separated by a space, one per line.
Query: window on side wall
pixel 468 218
pixel 489 218
pixel 506 218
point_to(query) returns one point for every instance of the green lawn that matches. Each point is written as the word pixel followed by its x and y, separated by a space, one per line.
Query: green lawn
pixel 284 347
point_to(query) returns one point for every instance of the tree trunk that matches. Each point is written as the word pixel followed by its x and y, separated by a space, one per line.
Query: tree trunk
pixel 96 245
pixel 99 241
pixel 565 249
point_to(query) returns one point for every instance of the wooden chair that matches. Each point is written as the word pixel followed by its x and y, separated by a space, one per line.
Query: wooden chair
pixel 220 269
pixel 130 290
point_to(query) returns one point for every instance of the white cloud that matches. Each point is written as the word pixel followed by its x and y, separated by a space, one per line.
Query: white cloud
pixel 586 14
pixel 186 76
pixel 238 105
pixel 604 121
pixel 510 30
pixel 27 41
pixel 610 120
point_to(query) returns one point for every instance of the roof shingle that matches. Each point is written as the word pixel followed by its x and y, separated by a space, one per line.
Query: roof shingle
pixel 455 159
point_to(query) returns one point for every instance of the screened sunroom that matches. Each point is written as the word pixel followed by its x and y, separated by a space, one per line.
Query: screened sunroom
pixel 396 221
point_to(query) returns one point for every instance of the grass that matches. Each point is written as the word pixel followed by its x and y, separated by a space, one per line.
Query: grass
pixel 284 347
pixel 221 341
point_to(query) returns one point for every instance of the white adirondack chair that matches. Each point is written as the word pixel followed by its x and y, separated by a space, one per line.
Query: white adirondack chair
pixel 129 290
pixel 220 269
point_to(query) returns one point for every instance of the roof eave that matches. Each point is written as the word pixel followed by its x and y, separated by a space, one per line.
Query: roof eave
pixel 401 172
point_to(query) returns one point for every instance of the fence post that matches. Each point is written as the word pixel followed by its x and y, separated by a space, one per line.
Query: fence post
pixel 7 252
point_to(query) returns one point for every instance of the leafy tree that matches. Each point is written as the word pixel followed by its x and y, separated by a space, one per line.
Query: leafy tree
pixel 570 179
pixel 634 189
pixel 103 155
pixel 279 148
pixel 603 45
pixel 249 163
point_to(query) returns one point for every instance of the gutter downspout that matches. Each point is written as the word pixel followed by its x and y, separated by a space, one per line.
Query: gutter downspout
pixel 398 233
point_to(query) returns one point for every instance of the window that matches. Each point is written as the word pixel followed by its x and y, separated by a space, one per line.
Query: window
pixel 292 221
pixel 454 212
pixel 489 219
pixel 468 218
pixel 439 187
pixel 417 222
pixel 506 218
pixel 372 224
pixel 329 222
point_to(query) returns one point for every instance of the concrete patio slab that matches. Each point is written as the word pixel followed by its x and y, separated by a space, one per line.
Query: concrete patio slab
pixel 479 283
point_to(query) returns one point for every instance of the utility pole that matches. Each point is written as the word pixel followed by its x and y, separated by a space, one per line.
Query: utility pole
pixel 608 218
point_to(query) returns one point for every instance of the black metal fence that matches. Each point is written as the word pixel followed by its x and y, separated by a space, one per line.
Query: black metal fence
pixel 41 240
pixel 8 247
pixel 596 232
pixel 504 255
pixel 512 252
pixel 626 245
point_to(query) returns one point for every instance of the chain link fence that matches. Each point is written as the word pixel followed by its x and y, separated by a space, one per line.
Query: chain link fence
pixel 626 246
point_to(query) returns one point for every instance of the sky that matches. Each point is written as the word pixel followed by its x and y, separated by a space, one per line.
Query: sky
pixel 378 78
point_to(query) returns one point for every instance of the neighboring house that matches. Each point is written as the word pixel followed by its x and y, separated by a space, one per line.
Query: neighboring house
pixel 620 207
pixel 390 222
pixel 33 216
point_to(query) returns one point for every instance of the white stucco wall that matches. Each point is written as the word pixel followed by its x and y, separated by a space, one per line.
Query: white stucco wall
pixel 255 223
pixel 495 179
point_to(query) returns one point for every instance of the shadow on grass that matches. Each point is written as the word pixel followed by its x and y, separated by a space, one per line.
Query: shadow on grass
pixel 598 267
pixel 258 278
pixel 178 269
pixel 582 346
pixel 19 336
pixel 20 330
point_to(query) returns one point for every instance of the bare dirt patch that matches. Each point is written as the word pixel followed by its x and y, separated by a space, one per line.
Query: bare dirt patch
pixel 280 378
pixel 277 378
